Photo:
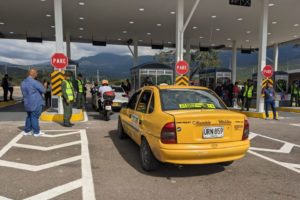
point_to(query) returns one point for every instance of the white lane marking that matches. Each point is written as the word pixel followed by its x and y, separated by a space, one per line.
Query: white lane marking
pixel 283 164
pixel 286 149
pixel 35 168
pixel 60 135
pixel 60 130
pixel 4 198
pixel 86 118
pixel 54 192
pixel 40 148
pixel 10 144
pixel 88 191
pixel 295 125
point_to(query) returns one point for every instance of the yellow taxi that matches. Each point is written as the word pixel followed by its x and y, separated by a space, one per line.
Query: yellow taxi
pixel 183 125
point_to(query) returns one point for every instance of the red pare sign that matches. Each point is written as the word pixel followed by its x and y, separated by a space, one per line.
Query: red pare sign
pixel 182 67
pixel 267 71
pixel 59 60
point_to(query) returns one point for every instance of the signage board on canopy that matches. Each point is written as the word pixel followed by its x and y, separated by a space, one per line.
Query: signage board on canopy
pixel 267 71
pixel 182 67
pixel 246 3
pixel 59 60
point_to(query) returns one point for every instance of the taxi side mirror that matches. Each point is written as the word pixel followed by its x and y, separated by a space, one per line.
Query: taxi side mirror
pixel 124 105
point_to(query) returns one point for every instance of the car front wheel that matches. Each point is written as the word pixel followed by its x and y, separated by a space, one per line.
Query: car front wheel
pixel 148 160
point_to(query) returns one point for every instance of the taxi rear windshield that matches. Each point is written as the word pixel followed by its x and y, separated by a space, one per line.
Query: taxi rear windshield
pixel 187 99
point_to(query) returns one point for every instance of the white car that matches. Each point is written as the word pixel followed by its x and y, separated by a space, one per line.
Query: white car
pixel 121 97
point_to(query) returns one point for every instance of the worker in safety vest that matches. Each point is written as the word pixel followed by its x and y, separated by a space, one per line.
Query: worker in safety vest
pixel 294 93
pixel 80 92
pixel 68 98
pixel 248 94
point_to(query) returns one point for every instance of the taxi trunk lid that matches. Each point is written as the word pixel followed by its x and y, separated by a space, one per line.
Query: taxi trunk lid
pixel 195 126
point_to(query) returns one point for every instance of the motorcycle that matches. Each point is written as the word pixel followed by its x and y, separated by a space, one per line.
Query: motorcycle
pixel 105 107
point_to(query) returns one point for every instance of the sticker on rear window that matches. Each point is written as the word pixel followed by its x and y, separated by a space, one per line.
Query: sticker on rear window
pixel 196 105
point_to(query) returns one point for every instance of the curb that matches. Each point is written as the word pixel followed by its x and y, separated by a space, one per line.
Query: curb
pixel 286 109
pixel 59 117
pixel 260 115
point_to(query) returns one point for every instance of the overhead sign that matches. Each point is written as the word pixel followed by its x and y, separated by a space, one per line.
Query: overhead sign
pixel 56 80
pixel 182 67
pixel 59 60
pixel 267 71
pixel 246 3
pixel 182 80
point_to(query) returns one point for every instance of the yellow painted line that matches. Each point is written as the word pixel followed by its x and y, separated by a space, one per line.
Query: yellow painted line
pixel 4 104
pixel 287 109
pixel 60 117
pixel 255 114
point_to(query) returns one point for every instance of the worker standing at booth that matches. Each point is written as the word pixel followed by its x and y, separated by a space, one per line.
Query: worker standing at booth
pixel 294 93
pixel 80 100
pixel 248 94
pixel 68 98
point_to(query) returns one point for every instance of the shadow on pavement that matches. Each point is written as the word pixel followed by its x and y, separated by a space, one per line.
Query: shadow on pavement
pixel 130 153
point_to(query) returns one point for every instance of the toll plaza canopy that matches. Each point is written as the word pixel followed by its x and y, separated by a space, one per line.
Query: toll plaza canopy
pixel 215 22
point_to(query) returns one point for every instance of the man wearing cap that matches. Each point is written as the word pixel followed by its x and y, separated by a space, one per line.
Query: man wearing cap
pixel 68 98
pixel 80 92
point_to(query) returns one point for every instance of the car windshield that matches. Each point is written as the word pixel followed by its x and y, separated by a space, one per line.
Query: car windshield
pixel 183 99
pixel 118 89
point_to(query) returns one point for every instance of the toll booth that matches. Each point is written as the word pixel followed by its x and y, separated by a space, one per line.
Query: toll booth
pixel 211 77
pixel 154 73
pixel 281 87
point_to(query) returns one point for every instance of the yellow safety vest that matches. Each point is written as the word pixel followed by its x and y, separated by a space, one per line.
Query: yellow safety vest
pixel 80 86
pixel 248 92
pixel 69 90
pixel 294 90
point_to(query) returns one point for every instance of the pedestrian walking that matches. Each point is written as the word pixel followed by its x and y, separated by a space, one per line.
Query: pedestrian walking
pixel 47 86
pixel 80 100
pixel 10 88
pixel 68 98
pixel 128 86
pixel 4 85
pixel 32 91
pixel 269 96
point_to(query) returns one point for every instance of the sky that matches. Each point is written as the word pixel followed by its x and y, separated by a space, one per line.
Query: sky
pixel 20 52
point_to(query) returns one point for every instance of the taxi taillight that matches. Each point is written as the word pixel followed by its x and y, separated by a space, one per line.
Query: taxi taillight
pixel 168 134
pixel 246 130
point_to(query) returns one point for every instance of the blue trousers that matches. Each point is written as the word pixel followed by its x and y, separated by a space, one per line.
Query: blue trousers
pixel 272 104
pixel 32 120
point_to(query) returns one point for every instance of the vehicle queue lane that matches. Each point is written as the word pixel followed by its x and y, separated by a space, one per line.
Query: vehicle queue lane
pixel 117 173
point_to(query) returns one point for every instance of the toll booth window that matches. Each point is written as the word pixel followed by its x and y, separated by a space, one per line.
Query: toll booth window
pixel 148 80
pixel 164 79
pixel 281 86
pixel 133 100
pixel 182 99
pixel 144 101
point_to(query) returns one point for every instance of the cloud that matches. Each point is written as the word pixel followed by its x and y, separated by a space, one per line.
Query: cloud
pixel 23 53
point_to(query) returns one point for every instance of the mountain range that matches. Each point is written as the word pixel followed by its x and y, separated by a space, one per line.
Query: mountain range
pixel 115 66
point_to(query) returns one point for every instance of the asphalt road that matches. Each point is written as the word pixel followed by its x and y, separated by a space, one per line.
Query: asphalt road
pixel 88 160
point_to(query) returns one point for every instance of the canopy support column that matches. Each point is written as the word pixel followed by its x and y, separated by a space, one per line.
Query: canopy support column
pixel 68 44
pixel 179 28
pixel 59 38
pixel 275 57
pixel 233 62
pixel 135 52
pixel 262 59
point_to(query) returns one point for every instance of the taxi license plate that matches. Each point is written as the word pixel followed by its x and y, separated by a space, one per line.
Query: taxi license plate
pixel 213 132
pixel 107 107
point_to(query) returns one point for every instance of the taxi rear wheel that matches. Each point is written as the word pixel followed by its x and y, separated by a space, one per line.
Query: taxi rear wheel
pixel 148 160
pixel 121 132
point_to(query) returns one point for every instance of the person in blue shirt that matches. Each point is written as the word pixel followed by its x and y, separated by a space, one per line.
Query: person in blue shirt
pixel 269 95
pixel 32 91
